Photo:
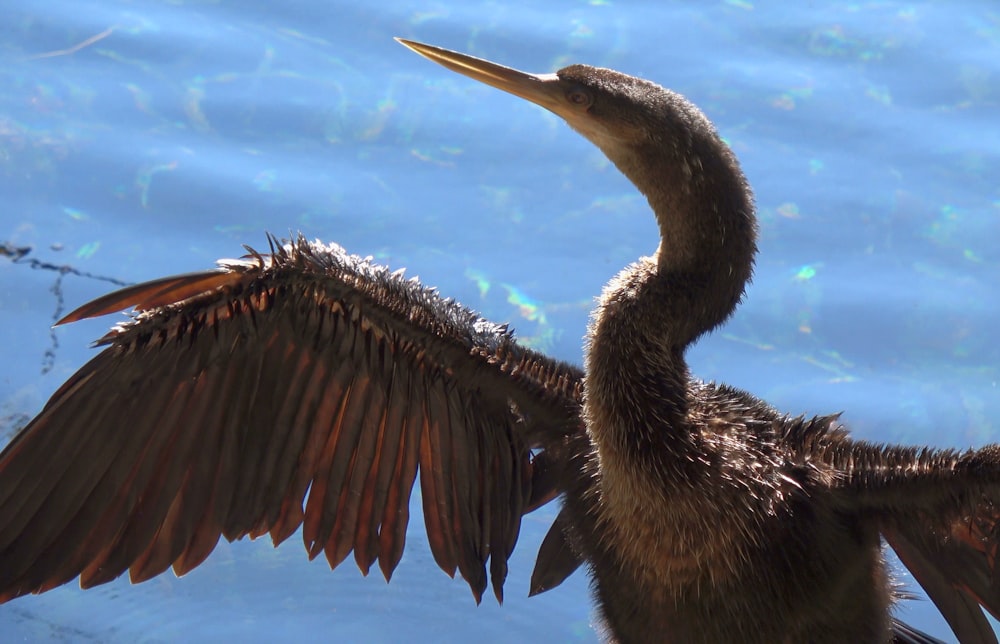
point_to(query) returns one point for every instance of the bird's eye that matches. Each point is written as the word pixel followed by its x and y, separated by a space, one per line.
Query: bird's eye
pixel 580 97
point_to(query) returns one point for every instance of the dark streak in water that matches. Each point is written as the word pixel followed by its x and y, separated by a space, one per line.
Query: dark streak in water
pixel 19 255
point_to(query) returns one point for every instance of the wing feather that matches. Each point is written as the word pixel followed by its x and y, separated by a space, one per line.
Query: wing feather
pixel 466 487
pixel 960 609
pixel 435 492
pixel 346 526
pixel 383 468
pixel 392 533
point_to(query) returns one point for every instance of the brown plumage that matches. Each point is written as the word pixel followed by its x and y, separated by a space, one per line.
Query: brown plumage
pixel 307 387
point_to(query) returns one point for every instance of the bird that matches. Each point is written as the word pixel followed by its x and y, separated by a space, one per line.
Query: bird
pixel 305 387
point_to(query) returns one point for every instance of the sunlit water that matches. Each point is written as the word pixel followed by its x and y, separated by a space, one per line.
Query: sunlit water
pixel 139 139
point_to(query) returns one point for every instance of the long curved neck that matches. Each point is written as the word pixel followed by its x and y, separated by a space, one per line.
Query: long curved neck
pixel 704 209
pixel 637 378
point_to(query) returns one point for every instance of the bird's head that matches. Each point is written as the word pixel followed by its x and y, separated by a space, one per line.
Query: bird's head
pixel 662 143
pixel 623 115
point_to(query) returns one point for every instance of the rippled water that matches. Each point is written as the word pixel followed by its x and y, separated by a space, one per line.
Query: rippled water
pixel 143 138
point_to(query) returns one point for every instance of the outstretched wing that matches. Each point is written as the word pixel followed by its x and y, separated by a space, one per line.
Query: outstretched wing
pixel 940 511
pixel 237 392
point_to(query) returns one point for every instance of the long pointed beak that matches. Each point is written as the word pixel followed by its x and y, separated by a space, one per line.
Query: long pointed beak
pixel 541 89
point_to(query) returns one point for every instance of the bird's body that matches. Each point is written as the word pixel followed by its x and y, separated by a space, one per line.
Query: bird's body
pixel 743 532
pixel 702 513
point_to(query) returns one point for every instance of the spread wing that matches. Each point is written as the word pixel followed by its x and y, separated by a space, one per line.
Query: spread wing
pixel 304 387
pixel 938 509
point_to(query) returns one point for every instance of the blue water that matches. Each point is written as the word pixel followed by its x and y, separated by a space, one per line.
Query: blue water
pixel 139 139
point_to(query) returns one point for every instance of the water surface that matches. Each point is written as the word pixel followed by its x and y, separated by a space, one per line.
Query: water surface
pixel 144 138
